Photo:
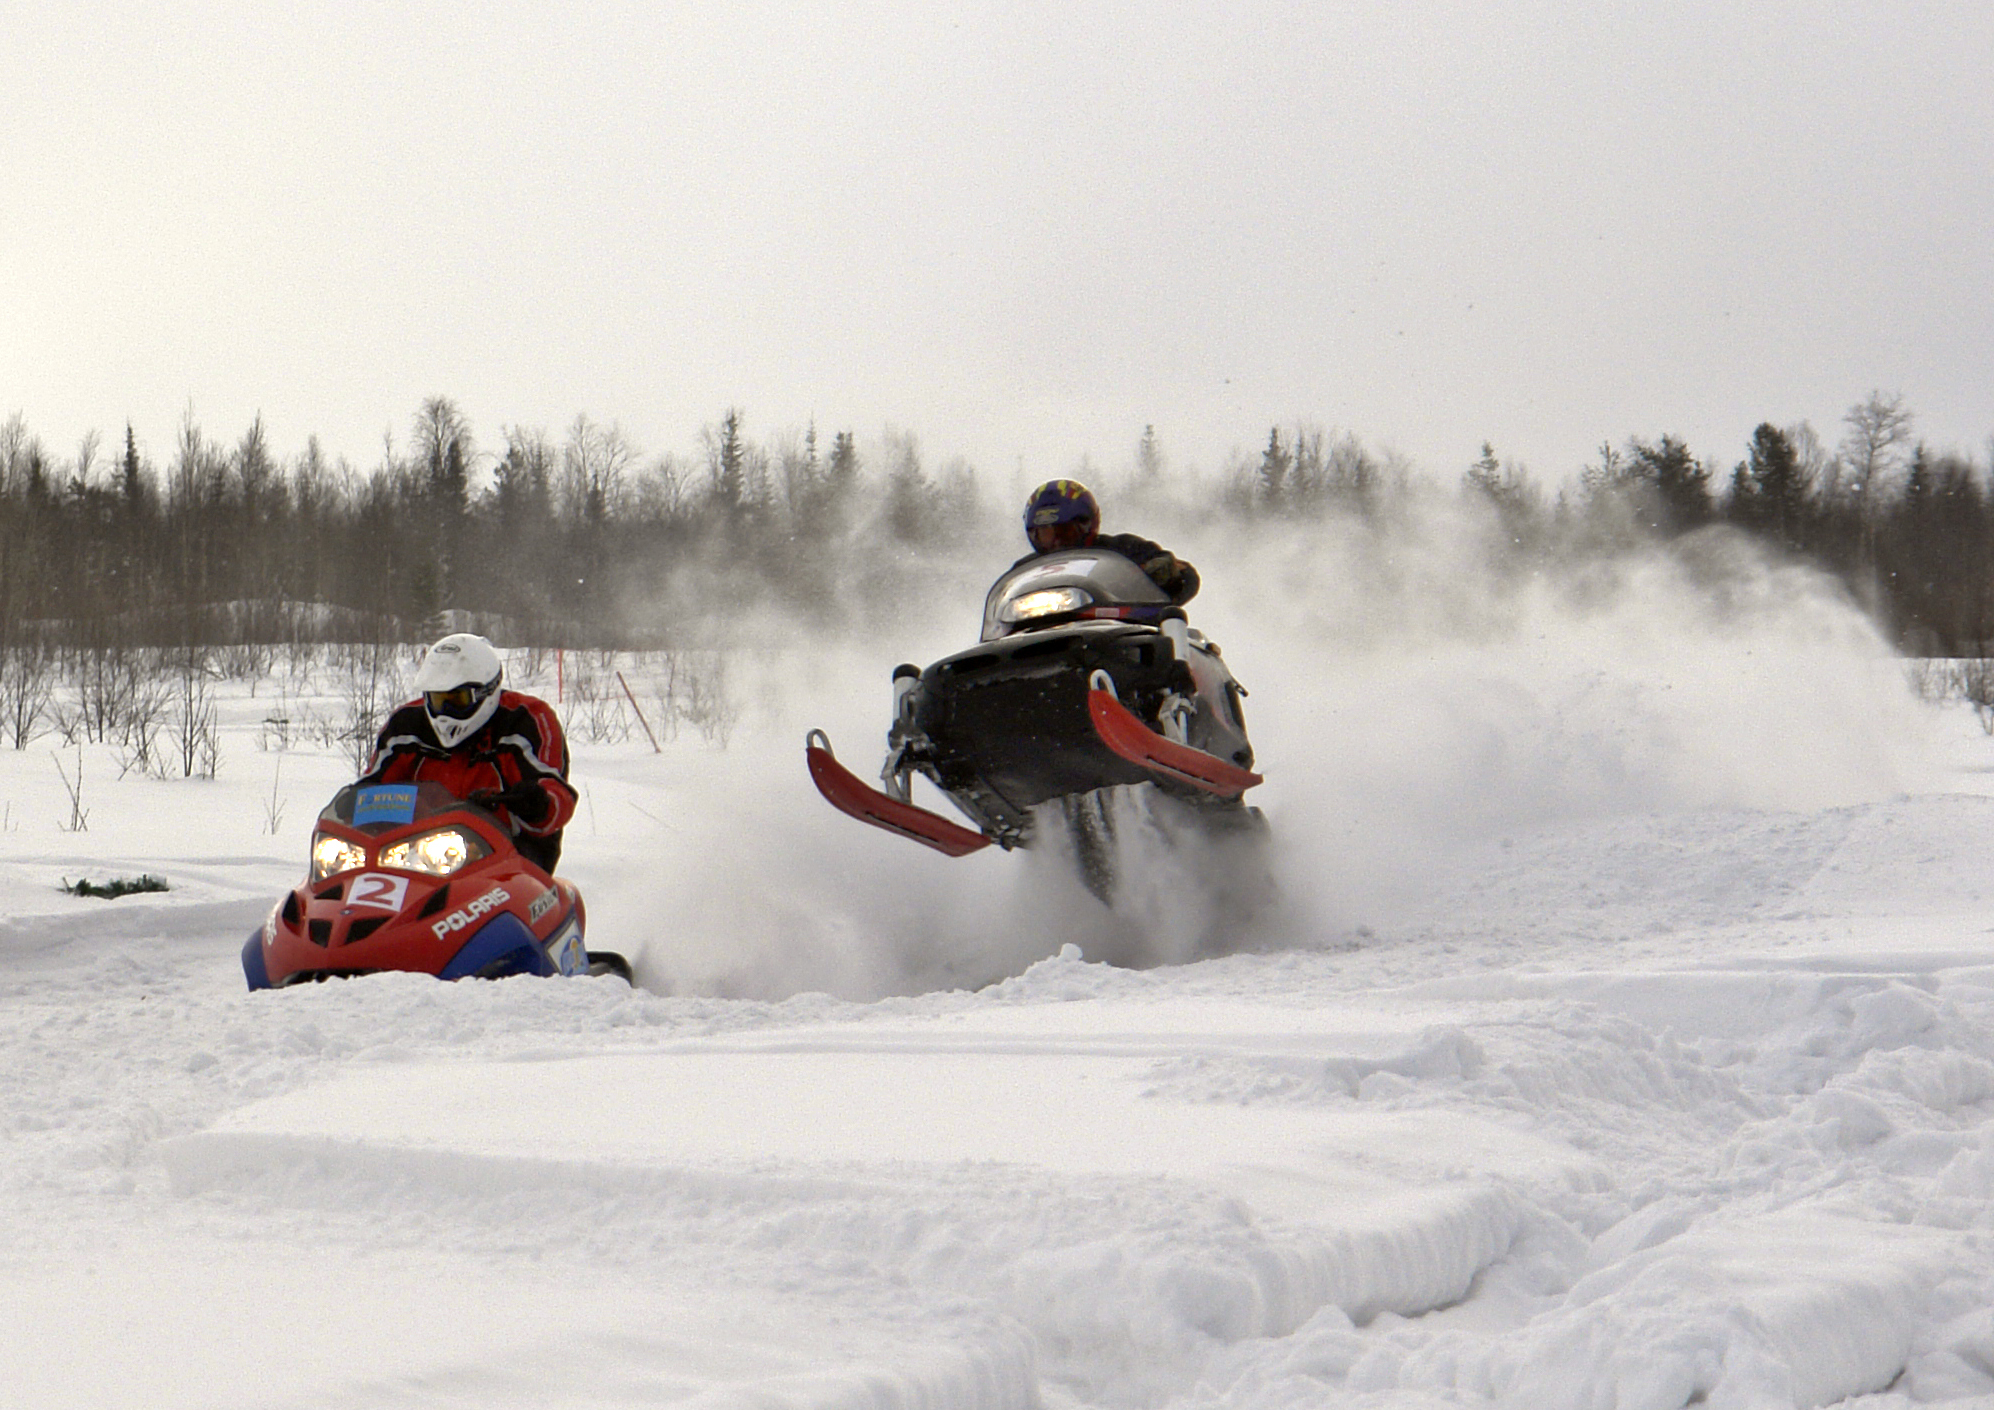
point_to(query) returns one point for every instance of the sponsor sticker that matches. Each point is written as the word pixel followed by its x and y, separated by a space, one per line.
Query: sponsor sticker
pixel 384 803
pixel 567 952
pixel 465 915
pixel 543 903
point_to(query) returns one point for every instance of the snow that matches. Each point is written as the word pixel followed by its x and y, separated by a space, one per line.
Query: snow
pixel 1623 1036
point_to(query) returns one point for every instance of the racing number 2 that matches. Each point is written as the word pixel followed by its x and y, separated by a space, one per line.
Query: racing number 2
pixel 378 889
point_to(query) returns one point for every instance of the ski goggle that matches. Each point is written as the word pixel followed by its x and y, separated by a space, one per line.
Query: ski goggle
pixel 1047 538
pixel 458 702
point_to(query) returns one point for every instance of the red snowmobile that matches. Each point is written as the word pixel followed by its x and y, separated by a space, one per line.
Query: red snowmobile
pixel 407 876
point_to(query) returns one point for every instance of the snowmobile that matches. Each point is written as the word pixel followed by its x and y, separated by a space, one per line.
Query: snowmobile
pixel 408 876
pixel 1086 678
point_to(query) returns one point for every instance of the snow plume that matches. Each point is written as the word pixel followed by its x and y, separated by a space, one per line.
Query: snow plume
pixel 1418 695
pixel 1420 689
pixel 783 894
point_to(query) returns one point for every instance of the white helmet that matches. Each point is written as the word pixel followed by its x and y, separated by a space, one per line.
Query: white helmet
pixel 459 680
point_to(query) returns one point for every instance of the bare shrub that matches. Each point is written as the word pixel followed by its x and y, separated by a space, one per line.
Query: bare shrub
pixel 528 665
pixel 371 686
pixel 1931 679
pixel 593 700
pixel 191 720
pixel 273 806
pixel 140 719
pixel 120 695
pixel 691 689
pixel 27 683
pixel 301 666
pixel 245 661
pixel 1976 683
pixel 79 816
pixel 277 728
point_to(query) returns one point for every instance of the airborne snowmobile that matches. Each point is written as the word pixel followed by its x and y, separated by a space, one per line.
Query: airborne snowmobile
pixel 407 876
pixel 1086 678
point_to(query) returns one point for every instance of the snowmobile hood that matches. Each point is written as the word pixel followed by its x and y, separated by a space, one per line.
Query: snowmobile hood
pixel 1105 577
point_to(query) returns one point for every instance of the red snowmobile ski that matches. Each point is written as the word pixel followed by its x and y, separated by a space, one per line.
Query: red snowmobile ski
pixel 1139 744
pixel 848 795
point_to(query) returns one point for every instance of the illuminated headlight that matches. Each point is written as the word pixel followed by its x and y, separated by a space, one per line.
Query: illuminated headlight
pixel 438 853
pixel 1047 602
pixel 333 855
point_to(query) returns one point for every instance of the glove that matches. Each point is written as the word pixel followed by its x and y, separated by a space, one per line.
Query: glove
pixel 528 802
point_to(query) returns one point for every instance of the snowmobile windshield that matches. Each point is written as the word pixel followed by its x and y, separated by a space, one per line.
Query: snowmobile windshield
pixel 376 807
pixel 1059 587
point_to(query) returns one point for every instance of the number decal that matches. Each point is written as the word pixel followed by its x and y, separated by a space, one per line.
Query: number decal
pixel 375 889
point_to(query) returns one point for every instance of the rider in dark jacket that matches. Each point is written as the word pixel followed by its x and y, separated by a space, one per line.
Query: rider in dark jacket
pixel 1062 514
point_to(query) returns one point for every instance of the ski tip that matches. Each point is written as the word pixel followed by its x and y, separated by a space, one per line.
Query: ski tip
pixel 845 792
pixel 1135 741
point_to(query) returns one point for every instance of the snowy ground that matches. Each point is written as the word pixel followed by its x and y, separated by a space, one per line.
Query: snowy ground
pixel 1624 1036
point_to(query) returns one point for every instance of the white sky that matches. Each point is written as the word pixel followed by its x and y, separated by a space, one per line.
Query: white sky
pixel 1021 232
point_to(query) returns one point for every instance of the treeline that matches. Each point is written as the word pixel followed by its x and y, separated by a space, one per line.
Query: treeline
pixel 569 540
pixel 1908 531
pixel 581 540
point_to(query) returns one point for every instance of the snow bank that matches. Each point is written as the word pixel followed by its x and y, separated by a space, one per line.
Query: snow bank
pixel 999 1151
pixel 179 1325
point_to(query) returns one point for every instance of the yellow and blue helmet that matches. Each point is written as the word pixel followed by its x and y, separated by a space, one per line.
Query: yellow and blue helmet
pixel 1061 514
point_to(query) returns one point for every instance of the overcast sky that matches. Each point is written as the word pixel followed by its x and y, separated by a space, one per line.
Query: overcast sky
pixel 1021 232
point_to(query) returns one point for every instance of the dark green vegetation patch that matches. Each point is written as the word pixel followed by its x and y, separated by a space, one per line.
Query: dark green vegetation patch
pixel 119 886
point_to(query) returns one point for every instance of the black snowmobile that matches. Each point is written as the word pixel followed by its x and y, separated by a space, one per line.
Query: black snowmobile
pixel 1086 678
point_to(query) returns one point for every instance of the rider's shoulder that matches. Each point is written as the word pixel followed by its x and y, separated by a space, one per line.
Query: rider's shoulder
pixel 517 705
pixel 1130 546
pixel 408 713
pixel 521 700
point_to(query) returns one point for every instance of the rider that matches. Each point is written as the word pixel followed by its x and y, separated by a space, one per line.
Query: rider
pixel 497 748
pixel 1062 514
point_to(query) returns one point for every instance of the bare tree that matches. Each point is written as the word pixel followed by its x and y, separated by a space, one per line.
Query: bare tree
pixel 1819 470
pixel 595 462
pixel 798 469
pixel 86 457
pixel 663 490
pixel 14 446
pixel 1149 457
pixel 1874 449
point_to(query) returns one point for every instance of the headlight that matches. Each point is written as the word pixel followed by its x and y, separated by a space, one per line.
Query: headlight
pixel 438 853
pixel 1047 602
pixel 332 855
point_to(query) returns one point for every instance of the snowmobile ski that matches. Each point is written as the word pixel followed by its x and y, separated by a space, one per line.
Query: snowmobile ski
pixel 845 792
pixel 1135 741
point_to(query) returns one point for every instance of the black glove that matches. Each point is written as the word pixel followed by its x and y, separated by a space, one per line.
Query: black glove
pixel 528 802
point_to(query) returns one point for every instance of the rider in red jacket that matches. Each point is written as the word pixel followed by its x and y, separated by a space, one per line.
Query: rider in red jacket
pixel 498 748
